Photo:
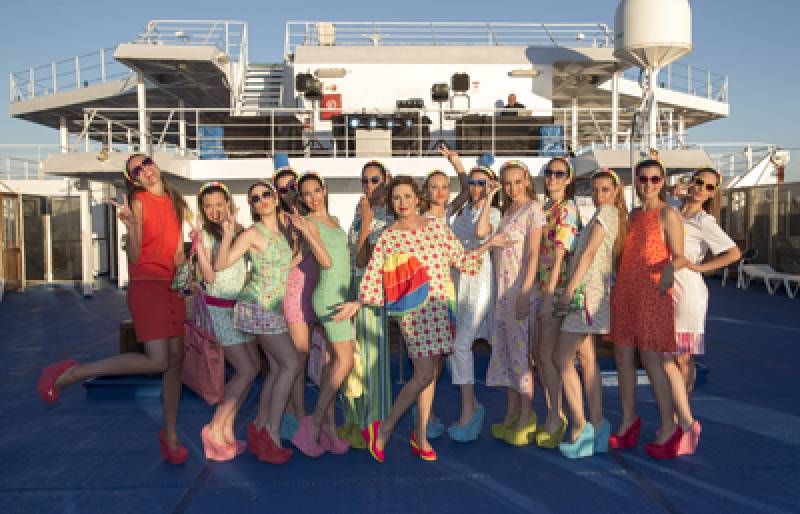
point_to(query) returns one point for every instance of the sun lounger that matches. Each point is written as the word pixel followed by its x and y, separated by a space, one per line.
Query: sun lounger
pixel 792 284
pixel 772 279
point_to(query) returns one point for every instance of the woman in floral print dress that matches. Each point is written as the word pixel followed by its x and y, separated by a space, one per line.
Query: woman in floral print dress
pixel 558 242
pixel 426 249
pixel 514 313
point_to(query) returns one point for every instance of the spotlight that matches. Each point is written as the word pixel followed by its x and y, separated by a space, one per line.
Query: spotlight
pixel 303 81
pixel 372 123
pixel 314 91
pixel 390 123
pixel 354 122
pixel 459 82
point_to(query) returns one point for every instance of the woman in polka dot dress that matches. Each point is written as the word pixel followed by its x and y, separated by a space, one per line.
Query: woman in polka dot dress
pixel 427 249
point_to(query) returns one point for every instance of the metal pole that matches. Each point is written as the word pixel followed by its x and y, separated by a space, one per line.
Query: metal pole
pixel 63 133
pixel 109 136
pixel 681 131
pixel 77 72
pixel 652 115
pixel 86 131
pixel 574 128
pixel 181 126
pixel 31 83
pixel 670 132
pixel 54 71
pixel 103 65
pixel 614 110
pixel 87 239
pixel 144 129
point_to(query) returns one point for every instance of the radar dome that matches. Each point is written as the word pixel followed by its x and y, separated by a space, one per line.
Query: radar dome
pixel 652 33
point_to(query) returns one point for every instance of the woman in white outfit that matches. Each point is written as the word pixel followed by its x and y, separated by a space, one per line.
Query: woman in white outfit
pixel 699 212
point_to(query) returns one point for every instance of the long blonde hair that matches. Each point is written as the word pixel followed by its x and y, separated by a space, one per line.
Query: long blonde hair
pixel 505 202
pixel 622 213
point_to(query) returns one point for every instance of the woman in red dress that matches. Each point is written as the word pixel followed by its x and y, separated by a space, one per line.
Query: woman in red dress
pixel 152 213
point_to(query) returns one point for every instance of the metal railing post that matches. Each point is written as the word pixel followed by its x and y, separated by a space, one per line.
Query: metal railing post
pixel 31 83
pixel 272 131
pixel 709 85
pixel 86 131
pixel 77 72
pixel 669 76
pixel 689 80
pixel 54 71
pixel 103 65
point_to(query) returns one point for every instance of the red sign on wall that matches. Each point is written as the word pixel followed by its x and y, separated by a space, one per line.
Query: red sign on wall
pixel 333 102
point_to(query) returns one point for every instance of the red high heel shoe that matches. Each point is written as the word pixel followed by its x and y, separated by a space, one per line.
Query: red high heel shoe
pixel 253 441
pixel 428 455
pixel 47 380
pixel 629 439
pixel 268 451
pixel 668 449
pixel 172 455
pixel 215 451
pixel 370 435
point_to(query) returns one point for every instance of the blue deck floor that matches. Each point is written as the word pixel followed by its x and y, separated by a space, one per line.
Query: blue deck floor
pixel 89 455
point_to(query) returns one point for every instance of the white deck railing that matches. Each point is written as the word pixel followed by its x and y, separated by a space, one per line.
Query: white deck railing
pixel 689 79
pixel 356 33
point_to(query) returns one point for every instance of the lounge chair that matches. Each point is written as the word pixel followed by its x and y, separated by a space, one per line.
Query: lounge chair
pixel 772 279
pixel 747 258
pixel 792 284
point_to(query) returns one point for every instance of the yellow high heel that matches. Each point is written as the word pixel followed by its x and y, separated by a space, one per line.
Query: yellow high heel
pixel 499 429
pixel 551 441
pixel 522 436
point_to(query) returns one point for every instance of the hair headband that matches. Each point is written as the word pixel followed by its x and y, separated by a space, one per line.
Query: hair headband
pixel 311 174
pixel 127 163
pixel 282 170
pixel 651 160
pixel 514 164
pixel 377 164
pixel 484 169
pixel 211 184
pixel 610 172
pixel 565 160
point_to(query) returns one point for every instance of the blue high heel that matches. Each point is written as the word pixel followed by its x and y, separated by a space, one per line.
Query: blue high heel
pixel 434 430
pixel 601 434
pixel 583 445
pixel 289 426
pixel 472 430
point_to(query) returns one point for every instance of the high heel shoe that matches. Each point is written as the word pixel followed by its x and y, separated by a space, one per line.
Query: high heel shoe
pixel 331 443
pixel 435 427
pixel 690 439
pixel 668 449
pixel 253 441
pixel 351 433
pixel 370 435
pixel 522 436
pixel 304 442
pixel 499 430
pixel 582 447
pixel 270 452
pixel 601 435
pixel 289 426
pixel 544 439
pixel 215 451
pixel 629 439
pixel 47 380
pixel 471 430
pixel 172 455
pixel 418 451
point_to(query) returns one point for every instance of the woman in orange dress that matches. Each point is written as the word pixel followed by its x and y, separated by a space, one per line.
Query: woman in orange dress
pixel 642 311
pixel 153 214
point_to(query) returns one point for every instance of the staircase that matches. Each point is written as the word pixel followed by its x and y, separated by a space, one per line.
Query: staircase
pixel 263 87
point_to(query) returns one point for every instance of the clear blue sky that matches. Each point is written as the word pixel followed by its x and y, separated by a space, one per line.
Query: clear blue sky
pixel 752 42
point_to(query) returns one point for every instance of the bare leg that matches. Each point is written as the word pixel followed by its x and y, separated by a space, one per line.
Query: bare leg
pixel 685 364
pixel 154 360
pixel 468 403
pixel 525 402
pixel 654 365
pixel 244 372
pixel 564 359
pixel 334 373
pixel 279 348
pixel 592 383
pixel 264 415
pixel 512 406
pixel 680 398
pixel 171 385
pixel 424 372
pixel 624 356
pixel 300 333
pixel 551 329
pixel 425 408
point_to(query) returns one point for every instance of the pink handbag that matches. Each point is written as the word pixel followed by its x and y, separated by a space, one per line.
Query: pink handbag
pixel 203 358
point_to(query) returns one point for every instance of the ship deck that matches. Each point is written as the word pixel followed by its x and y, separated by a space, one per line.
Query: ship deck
pixel 93 453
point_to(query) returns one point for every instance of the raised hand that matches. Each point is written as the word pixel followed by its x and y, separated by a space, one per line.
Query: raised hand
pixel 492 188
pixel 124 212
pixel 345 311
pixel 299 222
pixel 451 155
pixel 229 222
pixel 365 211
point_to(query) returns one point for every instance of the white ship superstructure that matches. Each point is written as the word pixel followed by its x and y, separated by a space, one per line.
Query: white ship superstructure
pixel 190 93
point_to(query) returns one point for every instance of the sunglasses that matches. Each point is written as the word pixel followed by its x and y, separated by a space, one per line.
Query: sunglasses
pixel 266 195
pixel 290 187
pixel 555 173
pixel 709 187
pixel 477 182
pixel 653 179
pixel 371 180
pixel 604 189
pixel 137 170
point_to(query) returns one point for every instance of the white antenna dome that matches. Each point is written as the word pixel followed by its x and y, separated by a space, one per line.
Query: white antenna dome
pixel 652 33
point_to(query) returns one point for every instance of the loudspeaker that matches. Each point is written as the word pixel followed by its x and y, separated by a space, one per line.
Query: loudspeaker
pixel 314 90
pixel 460 82
pixel 303 81
pixel 440 92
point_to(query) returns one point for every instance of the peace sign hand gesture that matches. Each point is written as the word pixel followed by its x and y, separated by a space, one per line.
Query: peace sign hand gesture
pixel 492 188
pixel 451 155
pixel 124 212
pixel 229 222
pixel 300 223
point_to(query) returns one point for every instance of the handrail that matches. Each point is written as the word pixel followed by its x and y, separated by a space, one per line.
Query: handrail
pixel 227 35
pixel 355 33
pixel 77 72
pixel 685 78
pixel 18 168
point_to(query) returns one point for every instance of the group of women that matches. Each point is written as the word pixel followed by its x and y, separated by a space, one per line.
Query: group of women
pixel 495 264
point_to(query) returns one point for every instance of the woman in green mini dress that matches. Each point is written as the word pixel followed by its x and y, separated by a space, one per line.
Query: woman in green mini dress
pixel 317 433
